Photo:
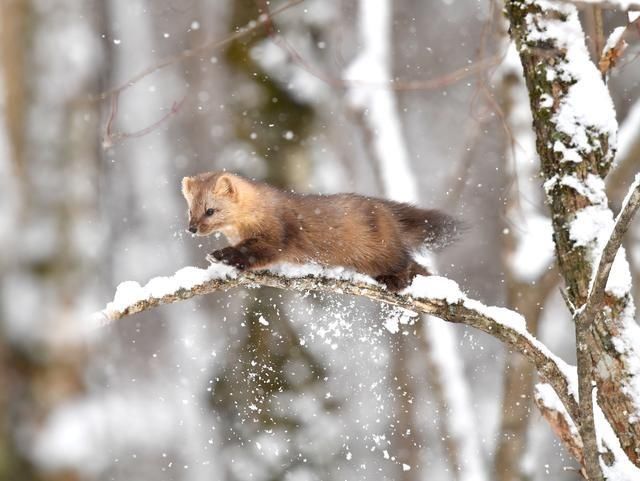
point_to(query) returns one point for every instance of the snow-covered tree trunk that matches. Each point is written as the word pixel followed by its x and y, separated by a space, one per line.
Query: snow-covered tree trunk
pixel 575 126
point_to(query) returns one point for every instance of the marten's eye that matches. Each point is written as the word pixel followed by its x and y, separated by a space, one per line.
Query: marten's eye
pixel 210 211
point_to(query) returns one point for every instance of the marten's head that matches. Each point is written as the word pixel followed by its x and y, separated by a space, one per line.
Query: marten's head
pixel 213 200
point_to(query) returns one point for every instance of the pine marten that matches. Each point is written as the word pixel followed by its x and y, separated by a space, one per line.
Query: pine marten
pixel 265 226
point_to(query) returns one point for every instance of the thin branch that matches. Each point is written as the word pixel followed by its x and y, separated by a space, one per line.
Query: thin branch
pixel 612 52
pixel 503 324
pixel 598 31
pixel 212 44
pixel 110 138
pixel 561 424
pixel 587 425
pixel 628 210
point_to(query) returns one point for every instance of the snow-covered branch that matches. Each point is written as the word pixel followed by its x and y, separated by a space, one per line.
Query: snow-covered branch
pixel 611 249
pixel 433 295
pixel 560 421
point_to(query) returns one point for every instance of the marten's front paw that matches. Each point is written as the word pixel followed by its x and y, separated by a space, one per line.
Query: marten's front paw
pixel 393 283
pixel 230 256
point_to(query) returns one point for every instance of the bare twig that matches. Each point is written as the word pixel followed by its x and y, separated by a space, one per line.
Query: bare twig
pixel 110 138
pixel 598 30
pixel 212 44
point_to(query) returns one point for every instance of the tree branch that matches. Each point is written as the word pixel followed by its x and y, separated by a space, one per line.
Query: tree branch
pixel 212 44
pixel 560 422
pixel 628 210
pixel 433 295
pixel 584 319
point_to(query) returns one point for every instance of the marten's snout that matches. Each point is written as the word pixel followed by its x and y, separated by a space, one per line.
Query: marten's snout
pixel 193 229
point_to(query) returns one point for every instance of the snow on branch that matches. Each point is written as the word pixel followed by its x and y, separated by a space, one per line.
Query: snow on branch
pixel 561 423
pixel 433 295
pixel 611 249
pixel 617 465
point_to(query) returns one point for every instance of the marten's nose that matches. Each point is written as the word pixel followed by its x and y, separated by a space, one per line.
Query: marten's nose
pixel 193 229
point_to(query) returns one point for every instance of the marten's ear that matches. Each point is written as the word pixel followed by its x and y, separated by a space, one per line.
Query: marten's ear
pixel 187 183
pixel 226 187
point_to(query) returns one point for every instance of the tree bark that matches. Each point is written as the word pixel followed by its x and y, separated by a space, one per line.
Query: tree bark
pixel 543 34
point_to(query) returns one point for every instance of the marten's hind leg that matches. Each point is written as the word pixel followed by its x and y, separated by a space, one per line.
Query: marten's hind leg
pixel 399 280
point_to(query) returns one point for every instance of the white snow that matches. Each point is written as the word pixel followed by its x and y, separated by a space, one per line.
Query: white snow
pixel 592 228
pixel 587 109
pixel 547 396
pixel 627 343
pixel 501 315
pixel 535 249
pixel 129 293
pixel 613 39
pixel 620 281
pixel 592 187
pixel 622 469
pixel 391 324
pixel 316 270
pixel 589 224
pixel 568 154
pixel 434 287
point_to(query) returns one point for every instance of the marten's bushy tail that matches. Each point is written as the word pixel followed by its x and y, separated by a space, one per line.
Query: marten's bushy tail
pixel 426 228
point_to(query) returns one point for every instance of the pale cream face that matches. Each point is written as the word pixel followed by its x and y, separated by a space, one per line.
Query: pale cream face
pixel 210 202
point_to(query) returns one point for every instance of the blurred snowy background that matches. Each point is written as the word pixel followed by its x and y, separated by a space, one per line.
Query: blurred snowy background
pixel 263 384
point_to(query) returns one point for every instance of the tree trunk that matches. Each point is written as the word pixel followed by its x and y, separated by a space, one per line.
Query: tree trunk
pixel 574 137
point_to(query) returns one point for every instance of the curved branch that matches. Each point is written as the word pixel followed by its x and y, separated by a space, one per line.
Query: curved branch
pixel 628 210
pixel 433 295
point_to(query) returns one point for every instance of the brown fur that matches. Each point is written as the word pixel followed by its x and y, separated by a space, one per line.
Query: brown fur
pixel 265 225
